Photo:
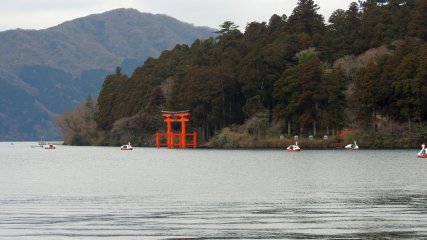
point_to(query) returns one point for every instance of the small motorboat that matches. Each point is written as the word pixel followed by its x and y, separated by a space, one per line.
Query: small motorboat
pixel 49 146
pixel 352 146
pixel 126 147
pixel 293 148
pixel 423 152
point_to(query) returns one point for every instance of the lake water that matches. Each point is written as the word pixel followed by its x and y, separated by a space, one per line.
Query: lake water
pixel 148 193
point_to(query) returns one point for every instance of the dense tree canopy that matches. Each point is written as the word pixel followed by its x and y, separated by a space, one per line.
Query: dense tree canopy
pixel 286 71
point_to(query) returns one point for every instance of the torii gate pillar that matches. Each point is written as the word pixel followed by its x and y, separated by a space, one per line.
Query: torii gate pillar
pixel 181 117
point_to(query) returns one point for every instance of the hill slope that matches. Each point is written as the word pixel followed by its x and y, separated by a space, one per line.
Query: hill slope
pixel 365 70
pixel 46 72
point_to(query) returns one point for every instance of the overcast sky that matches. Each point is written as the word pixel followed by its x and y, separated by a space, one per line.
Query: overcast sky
pixel 40 14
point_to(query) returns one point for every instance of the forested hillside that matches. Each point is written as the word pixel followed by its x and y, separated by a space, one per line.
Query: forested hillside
pixel 46 72
pixel 364 69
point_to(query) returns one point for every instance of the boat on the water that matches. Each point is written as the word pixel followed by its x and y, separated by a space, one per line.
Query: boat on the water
pixel 352 146
pixel 49 146
pixel 293 148
pixel 423 152
pixel 126 147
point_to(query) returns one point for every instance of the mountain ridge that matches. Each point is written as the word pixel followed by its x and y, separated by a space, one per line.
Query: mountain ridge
pixel 82 51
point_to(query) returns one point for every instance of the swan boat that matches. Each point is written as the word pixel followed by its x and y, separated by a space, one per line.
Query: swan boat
pixel 49 146
pixel 126 147
pixel 293 148
pixel 423 152
pixel 352 146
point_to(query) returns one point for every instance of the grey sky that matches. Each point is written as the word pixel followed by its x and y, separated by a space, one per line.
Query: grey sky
pixel 40 14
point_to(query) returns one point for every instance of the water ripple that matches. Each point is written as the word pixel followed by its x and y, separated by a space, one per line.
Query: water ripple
pixel 393 216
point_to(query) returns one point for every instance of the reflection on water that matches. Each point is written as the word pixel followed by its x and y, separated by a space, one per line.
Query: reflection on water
pixel 88 192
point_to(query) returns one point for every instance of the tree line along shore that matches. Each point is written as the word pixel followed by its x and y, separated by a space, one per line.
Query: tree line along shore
pixel 365 70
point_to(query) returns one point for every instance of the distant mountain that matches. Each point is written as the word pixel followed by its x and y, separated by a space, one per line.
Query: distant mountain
pixel 46 72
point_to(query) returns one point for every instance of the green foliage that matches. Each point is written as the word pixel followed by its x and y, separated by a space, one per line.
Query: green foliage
pixel 286 91
pixel 281 72
pixel 305 19
pixel 298 93
pixel 227 26
pixel 112 100
pixel 254 106
pixel 333 100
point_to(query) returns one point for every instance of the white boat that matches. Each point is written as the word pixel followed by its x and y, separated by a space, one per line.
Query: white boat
pixel 352 146
pixel 49 146
pixel 423 152
pixel 126 147
pixel 293 148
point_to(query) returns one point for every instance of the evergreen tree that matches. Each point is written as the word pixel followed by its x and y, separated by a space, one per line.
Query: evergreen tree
pixel 226 27
pixel 333 100
pixel 305 19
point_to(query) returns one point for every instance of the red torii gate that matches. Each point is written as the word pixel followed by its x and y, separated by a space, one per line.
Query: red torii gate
pixel 171 117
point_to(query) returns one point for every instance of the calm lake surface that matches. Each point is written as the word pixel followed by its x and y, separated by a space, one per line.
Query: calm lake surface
pixel 148 193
